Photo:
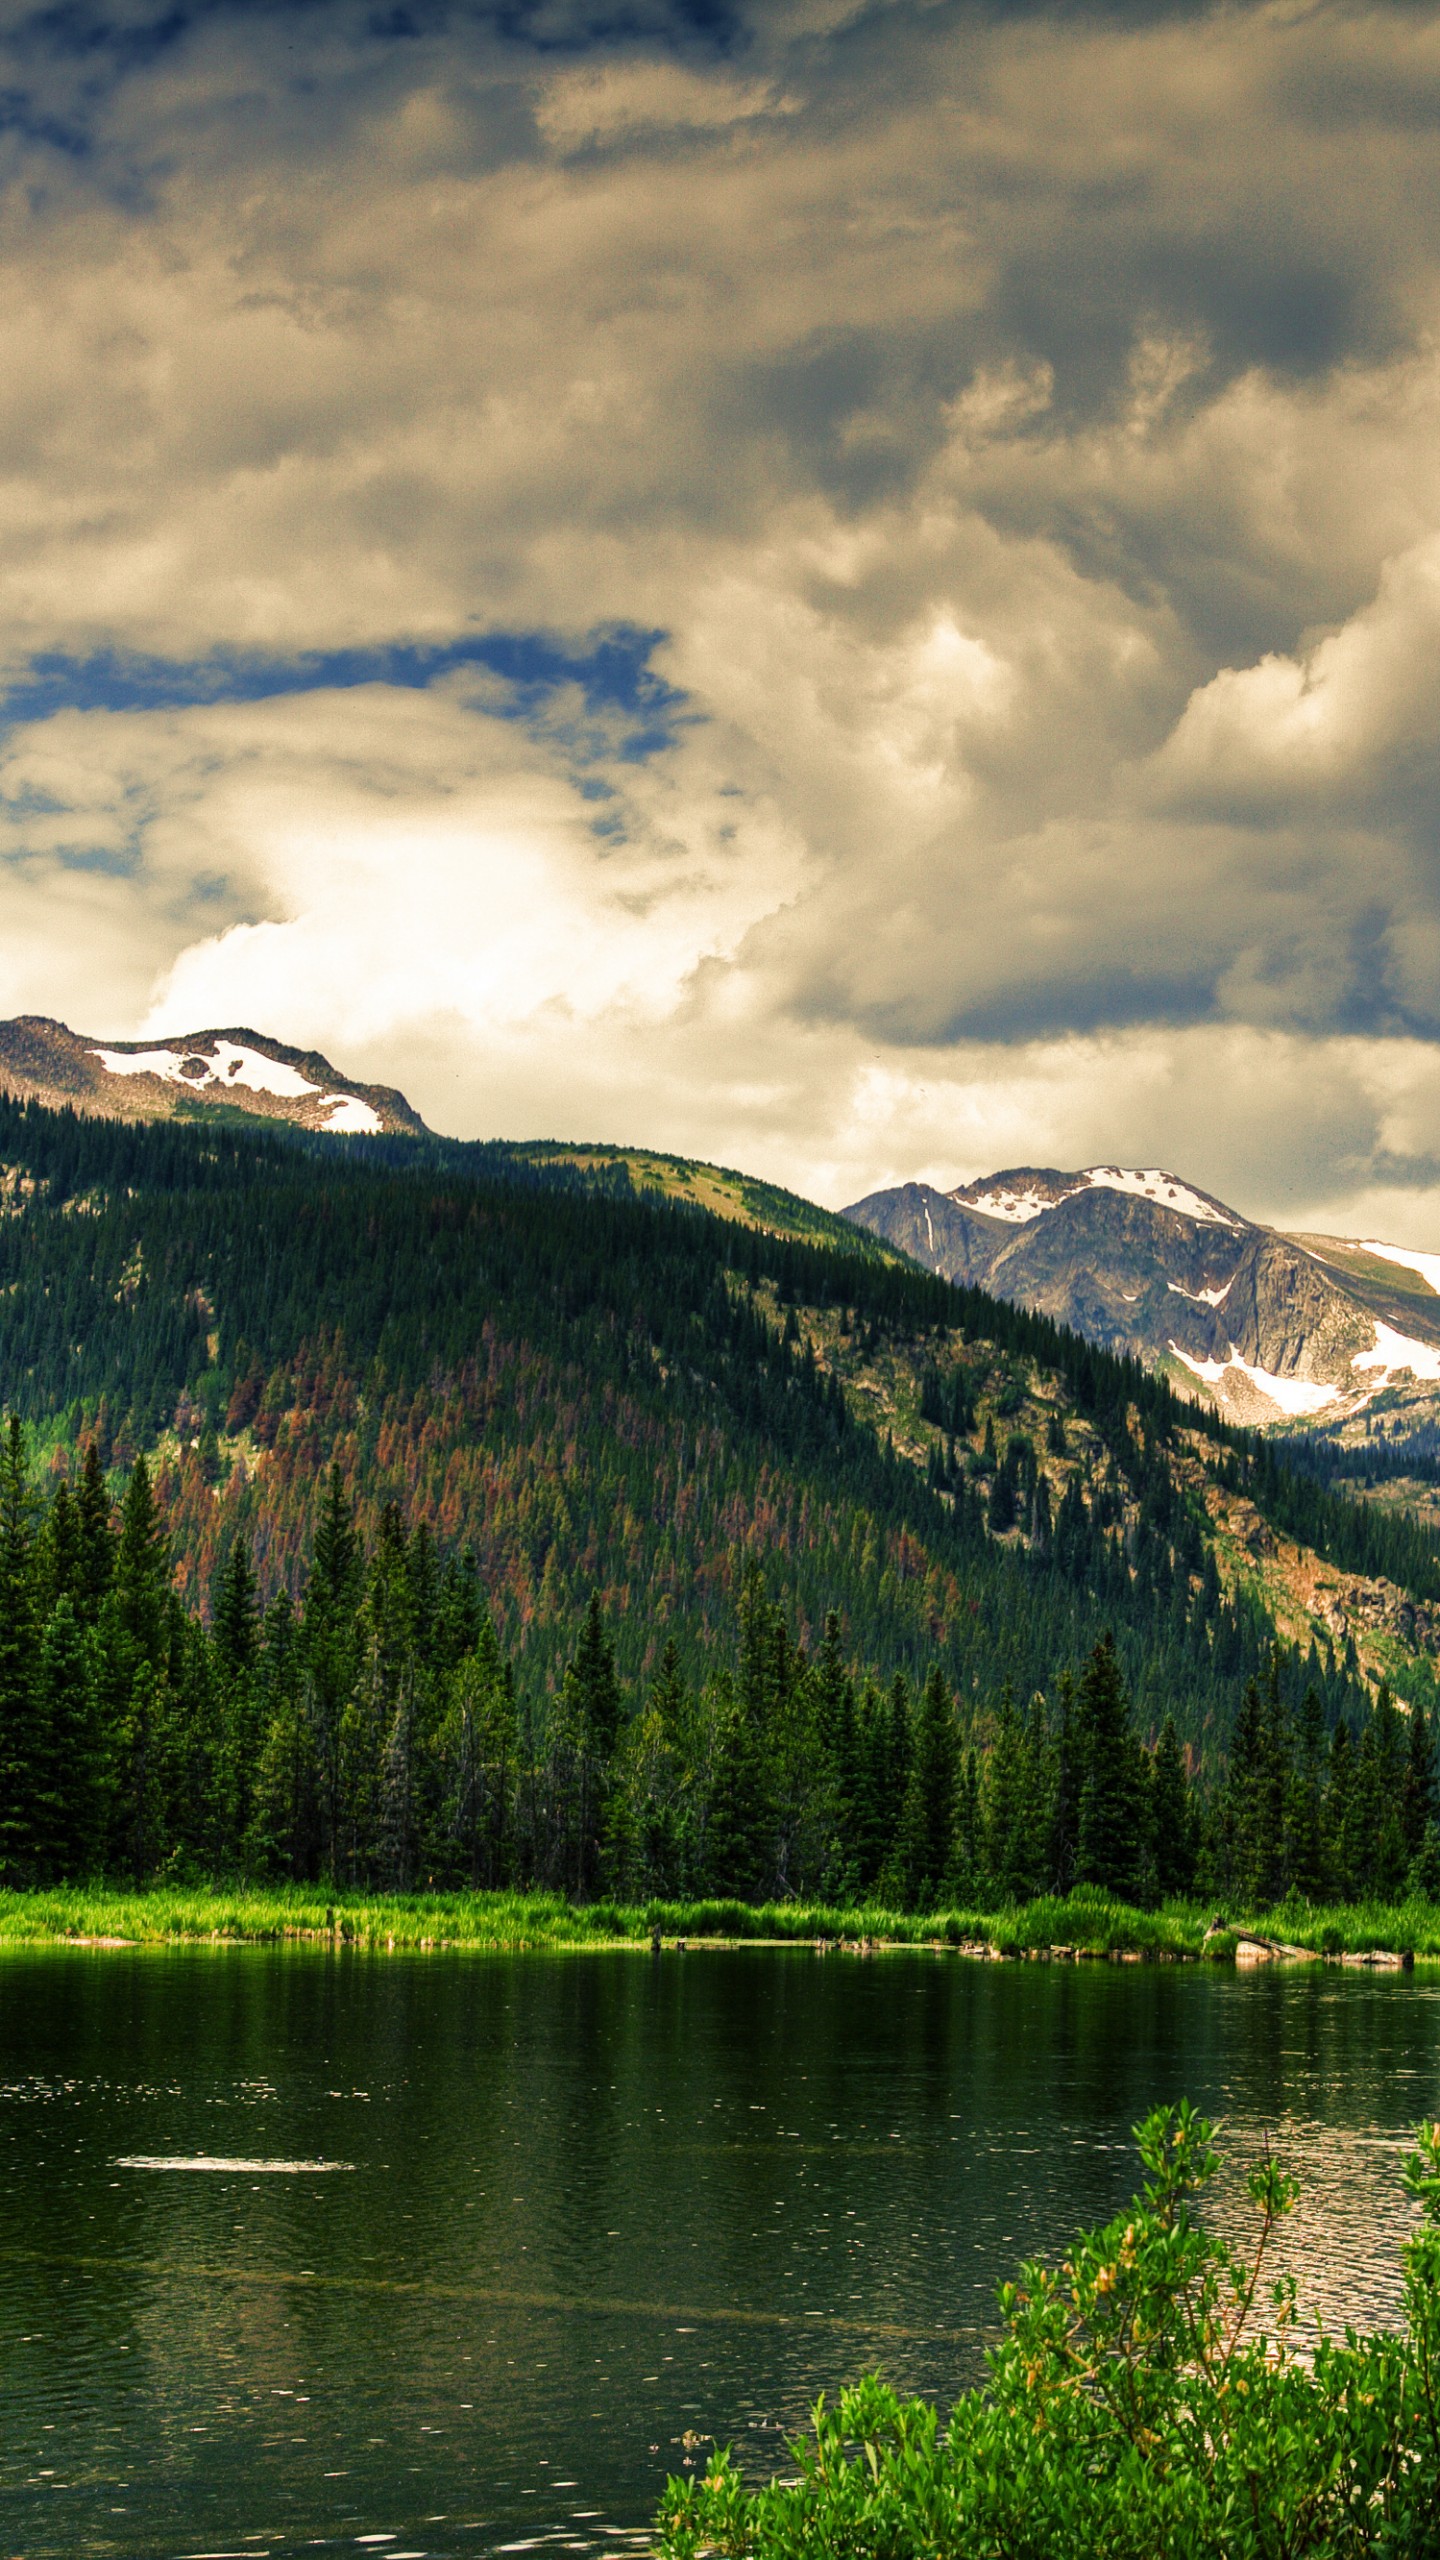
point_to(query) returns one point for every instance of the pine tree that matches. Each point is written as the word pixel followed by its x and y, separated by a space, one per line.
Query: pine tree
pixel 286 1835
pixel 927 1828
pixel 738 1857
pixel 846 1787
pixel 70 1803
pixel 800 1763
pixel 1256 1790
pixel 139 1804
pixel 194 1757
pixel 1010 1823
pixel 585 1723
pixel 459 1612
pixel 597 1687
pixel 1064 1840
pixel 19 1722
pixel 235 1626
pixel 1340 1813
pixel 644 1844
pixel 1377 1855
pixel 1305 1809
pixel 481 1757
pixel 1003 1507
pixel 401 1789
pixel 141 1581
pixel 1417 1796
pixel 335 1573
pixel 332 1649
pixel 58 1553
pixel 1171 1826
pixel 96 1561
pixel 873 1807
pixel 967 1867
pixel 1110 1844
pixel 899 1746
pixel 829 1685
pixel 1422 1882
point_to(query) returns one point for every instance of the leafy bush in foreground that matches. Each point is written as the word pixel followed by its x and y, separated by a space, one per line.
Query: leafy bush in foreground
pixel 1136 2409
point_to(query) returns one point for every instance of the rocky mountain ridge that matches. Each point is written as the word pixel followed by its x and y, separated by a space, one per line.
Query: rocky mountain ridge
pixel 1271 1328
pixel 183 1077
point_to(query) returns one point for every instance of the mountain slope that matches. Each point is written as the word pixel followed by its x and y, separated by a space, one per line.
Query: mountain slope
pixel 1272 1328
pixel 235 1074
pixel 595 1389
pixel 197 1073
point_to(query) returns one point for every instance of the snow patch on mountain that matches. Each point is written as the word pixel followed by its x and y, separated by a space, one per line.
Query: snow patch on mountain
pixel 1017 1208
pixel 228 1065
pixel 1160 1187
pixel 1292 1395
pixel 1392 1351
pixel 1203 1297
pixel 1427 1264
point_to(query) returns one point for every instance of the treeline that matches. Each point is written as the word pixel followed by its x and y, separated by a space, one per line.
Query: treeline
pixel 1300 1806
pixel 374 1733
pixel 1390 1447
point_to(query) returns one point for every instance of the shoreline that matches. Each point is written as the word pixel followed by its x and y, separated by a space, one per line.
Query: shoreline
pixel 1083 1928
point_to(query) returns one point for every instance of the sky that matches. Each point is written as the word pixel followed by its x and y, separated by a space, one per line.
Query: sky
pixel 850 587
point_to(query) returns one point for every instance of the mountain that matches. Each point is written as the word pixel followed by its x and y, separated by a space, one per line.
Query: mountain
pixel 1271 1328
pixel 196 1074
pixel 557 1362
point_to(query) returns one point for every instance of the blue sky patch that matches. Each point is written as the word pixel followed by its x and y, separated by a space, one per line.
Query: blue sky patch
pixel 612 674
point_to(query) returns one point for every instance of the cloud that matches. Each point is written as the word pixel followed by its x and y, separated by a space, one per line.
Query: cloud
pixel 600 103
pixel 375 857
pixel 1346 725
pixel 997 449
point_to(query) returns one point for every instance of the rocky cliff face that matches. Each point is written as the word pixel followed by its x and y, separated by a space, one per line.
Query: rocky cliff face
pixel 245 1071
pixel 1270 1327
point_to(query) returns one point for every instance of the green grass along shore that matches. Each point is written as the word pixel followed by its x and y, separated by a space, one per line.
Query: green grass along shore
pixel 1085 1924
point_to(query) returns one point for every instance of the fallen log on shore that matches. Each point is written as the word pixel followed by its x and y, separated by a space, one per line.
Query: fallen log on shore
pixel 1252 1948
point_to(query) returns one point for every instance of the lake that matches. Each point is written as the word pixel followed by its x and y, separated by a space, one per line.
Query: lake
pixel 594 2210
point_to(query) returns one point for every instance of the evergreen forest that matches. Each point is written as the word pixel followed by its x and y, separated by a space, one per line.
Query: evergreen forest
pixel 376 1736
pixel 423 1513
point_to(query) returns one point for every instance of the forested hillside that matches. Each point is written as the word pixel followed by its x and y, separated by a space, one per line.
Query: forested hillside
pixel 591 1393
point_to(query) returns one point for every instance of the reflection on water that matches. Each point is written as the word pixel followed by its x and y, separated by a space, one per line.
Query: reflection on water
pixel 597 2211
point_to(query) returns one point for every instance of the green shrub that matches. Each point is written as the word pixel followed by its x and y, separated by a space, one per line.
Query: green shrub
pixel 1140 2406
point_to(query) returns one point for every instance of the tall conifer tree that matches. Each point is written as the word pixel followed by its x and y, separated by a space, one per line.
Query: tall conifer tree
pixel 19 1723
pixel 1109 1848
pixel 927 1831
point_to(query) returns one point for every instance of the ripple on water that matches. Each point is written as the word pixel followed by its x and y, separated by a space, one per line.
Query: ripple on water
pixel 237 2168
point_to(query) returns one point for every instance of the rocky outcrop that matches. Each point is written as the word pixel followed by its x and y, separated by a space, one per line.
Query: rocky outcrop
pixel 936 1230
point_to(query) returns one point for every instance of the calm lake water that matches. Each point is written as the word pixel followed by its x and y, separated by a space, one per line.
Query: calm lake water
pixel 593 2203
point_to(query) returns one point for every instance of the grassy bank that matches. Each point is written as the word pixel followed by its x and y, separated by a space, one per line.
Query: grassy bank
pixel 1081 1926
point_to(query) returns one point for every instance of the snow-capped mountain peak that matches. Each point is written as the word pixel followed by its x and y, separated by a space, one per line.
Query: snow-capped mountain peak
pixel 1018 1198
pixel 1275 1328
pixel 234 1070
pixel 1164 1189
